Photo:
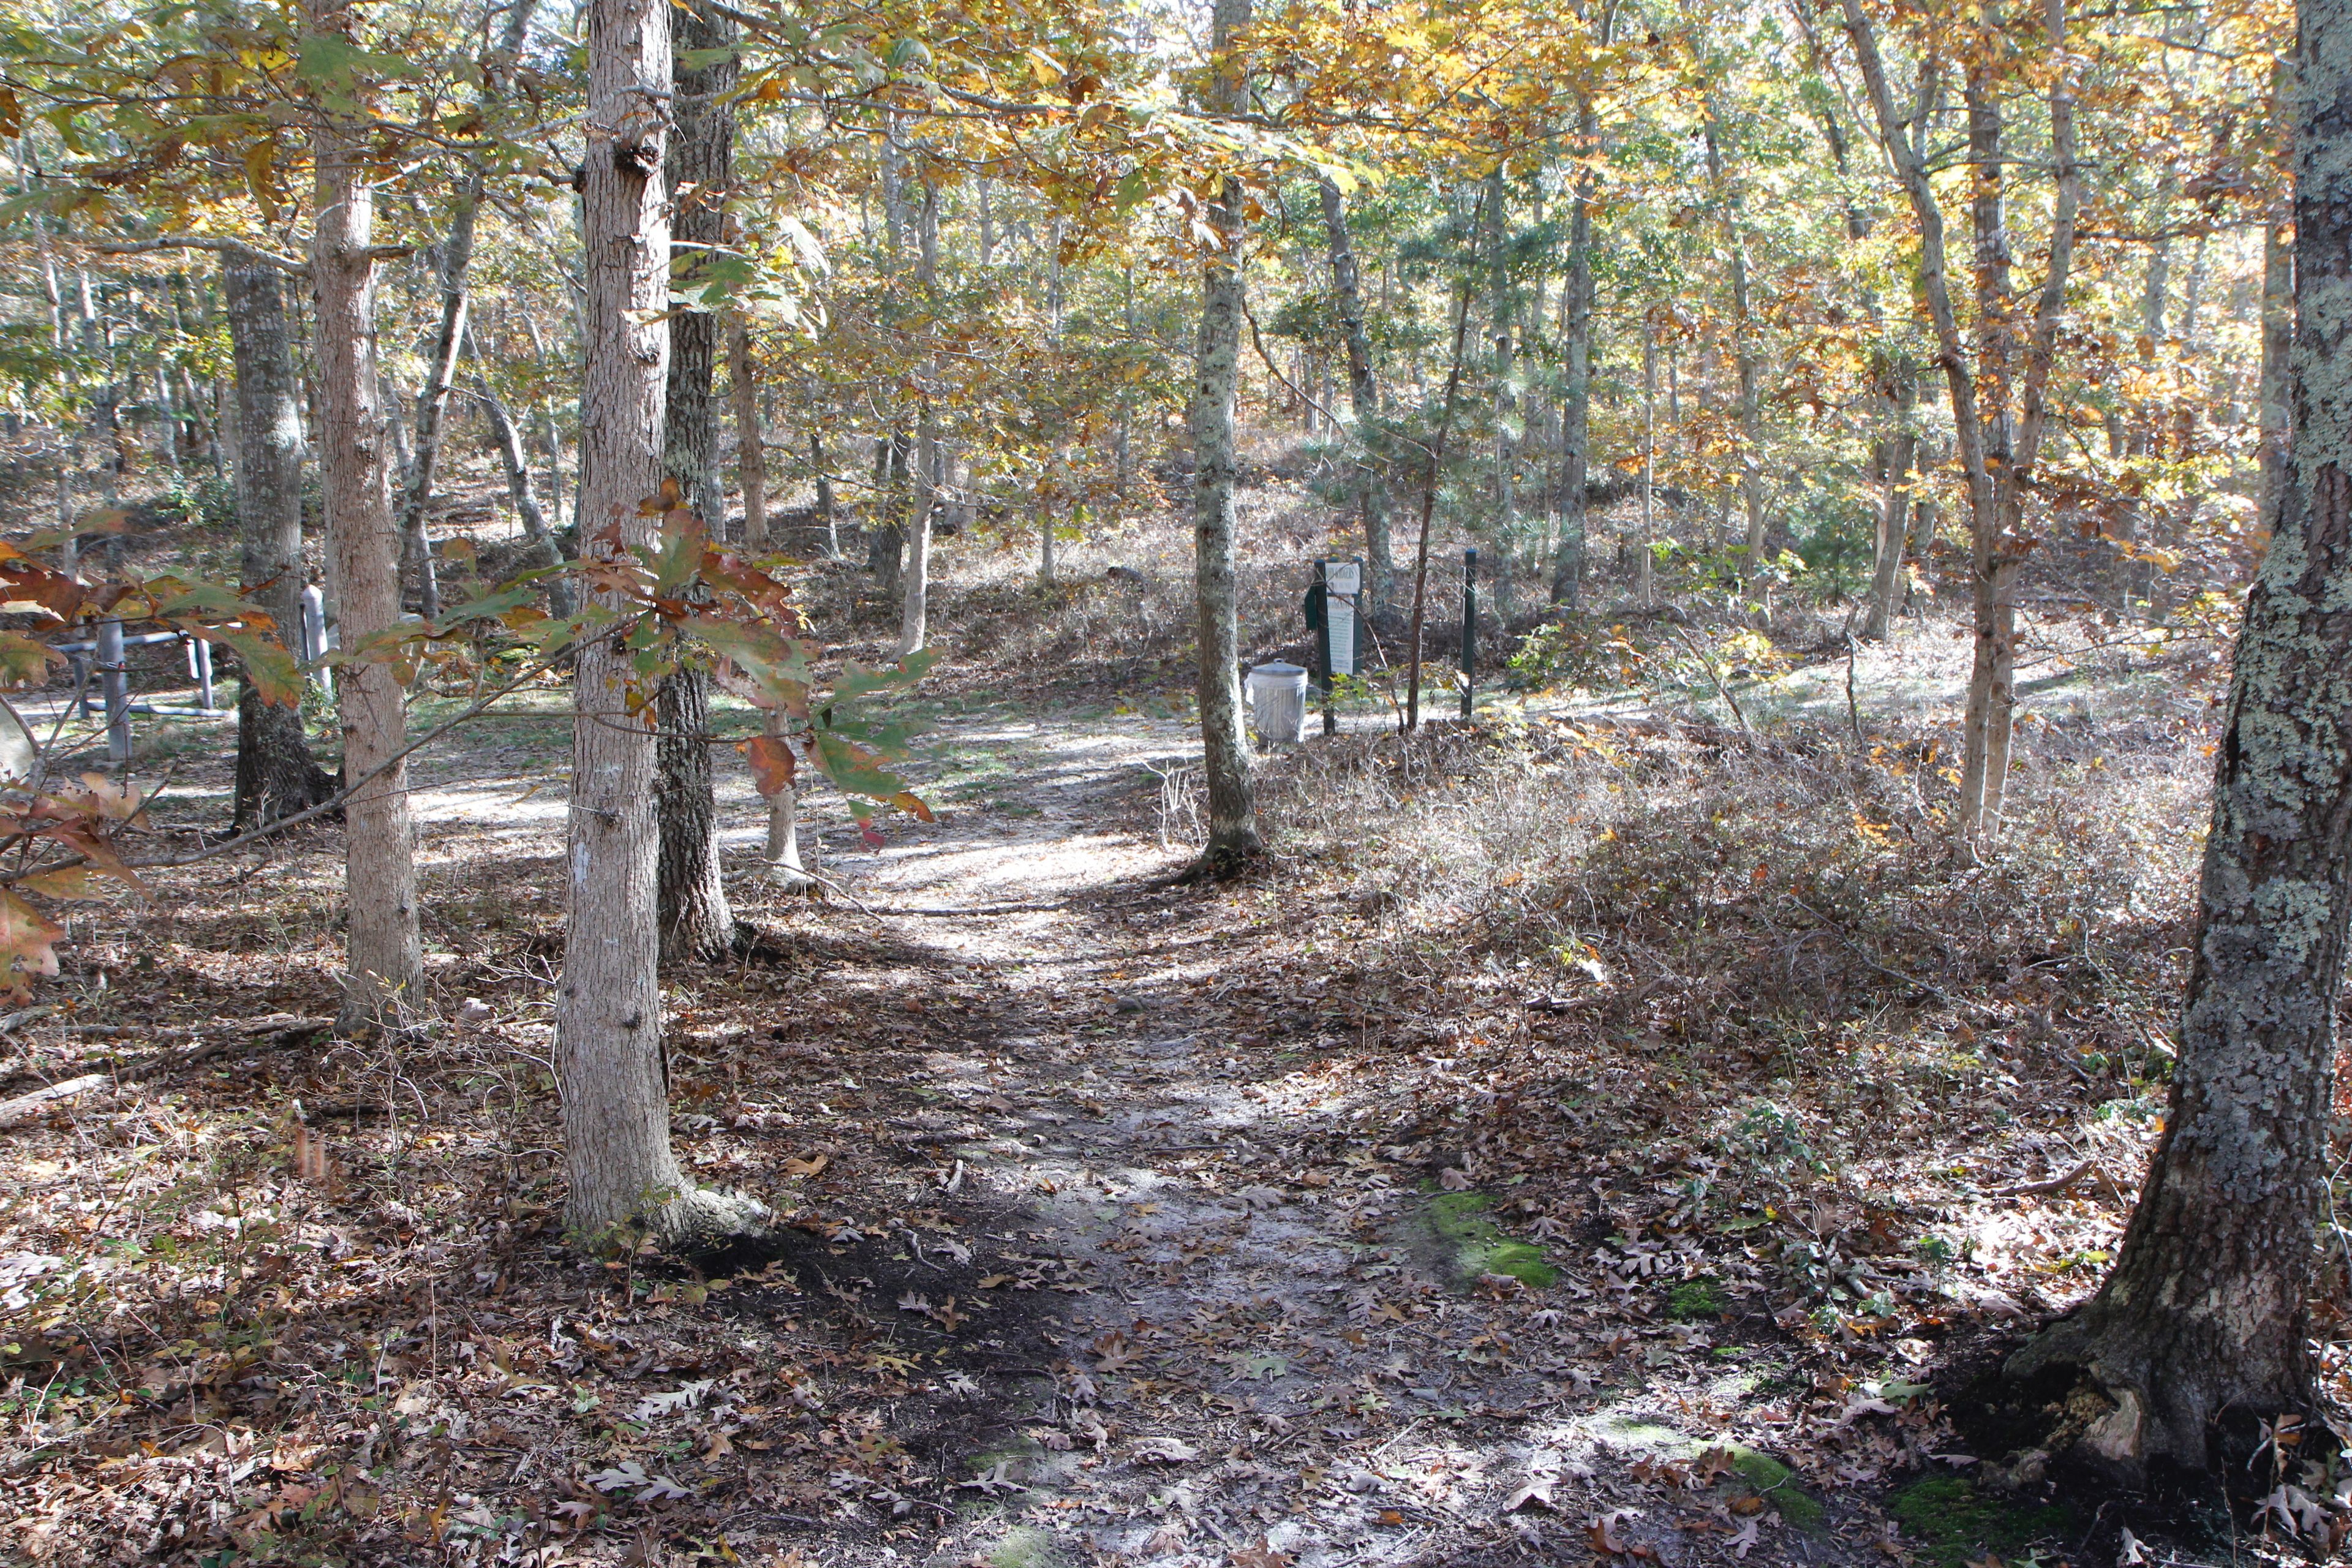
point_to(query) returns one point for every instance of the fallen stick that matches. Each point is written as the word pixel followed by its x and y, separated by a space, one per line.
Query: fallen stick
pixel 39 1103
pixel 2054 1185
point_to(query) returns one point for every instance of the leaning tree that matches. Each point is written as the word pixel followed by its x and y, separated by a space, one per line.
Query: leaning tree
pixel 2200 1335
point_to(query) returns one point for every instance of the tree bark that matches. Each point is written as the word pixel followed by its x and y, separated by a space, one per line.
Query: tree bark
pixel 275 774
pixel 384 962
pixel 562 597
pixel 433 398
pixel 1501 335
pixel 914 617
pixel 2278 339
pixel 624 1178
pixel 1234 839
pixel 1644 557
pixel 1997 448
pixel 751 439
pixel 1751 439
pixel 827 514
pixel 695 920
pixel 1894 509
pixel 784 849
pixel 1576 391
pixel 885 549
pixel 2203 1331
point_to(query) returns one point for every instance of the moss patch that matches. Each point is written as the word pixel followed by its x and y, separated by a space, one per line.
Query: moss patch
pixel 1695 1299
pixel 1024 1546
pixel 1478 1243
pixel 1957 1524
pixel 1776 1483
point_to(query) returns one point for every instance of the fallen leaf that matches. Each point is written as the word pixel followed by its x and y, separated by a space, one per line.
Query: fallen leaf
pixel 1166 1452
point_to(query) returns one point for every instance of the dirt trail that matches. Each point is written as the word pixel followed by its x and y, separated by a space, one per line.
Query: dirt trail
pixel 1288 1347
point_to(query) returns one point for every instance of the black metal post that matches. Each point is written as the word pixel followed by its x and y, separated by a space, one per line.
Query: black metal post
pixel 1322 596
pixel 1469 628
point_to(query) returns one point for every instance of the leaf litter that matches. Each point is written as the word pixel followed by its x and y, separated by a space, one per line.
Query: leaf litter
pixel 1120 1223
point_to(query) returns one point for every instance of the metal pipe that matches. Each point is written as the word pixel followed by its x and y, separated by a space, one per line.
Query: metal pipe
pixel 116 675
pixel 1469 628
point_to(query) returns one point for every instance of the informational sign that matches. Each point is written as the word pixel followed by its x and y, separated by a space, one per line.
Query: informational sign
pixel 1342 581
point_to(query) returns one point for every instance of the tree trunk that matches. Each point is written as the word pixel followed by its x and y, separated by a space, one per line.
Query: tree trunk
pixel 562 597
pixel 783 821
pixel 2202 1331
pixel 1501 332
pixel 1041 503
pixel 1576 391
pixel 384 963
pixel 433 398
pixel 1894 510
pixel 2278 339
pixel 1364 399
pixel 696 921
pixel 1751 457
pixel 751 439
pixel 886 550
pixel 914 617
pixel 624 1178
pixel 826 513
pixel 1997 446
pixel 1644 558
pixel 275 774
pixel 1234 838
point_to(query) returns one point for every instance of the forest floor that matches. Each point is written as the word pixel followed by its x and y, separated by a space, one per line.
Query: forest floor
pixel 1595 1135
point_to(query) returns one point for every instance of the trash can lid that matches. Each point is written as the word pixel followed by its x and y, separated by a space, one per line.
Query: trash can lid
pixel 1277 670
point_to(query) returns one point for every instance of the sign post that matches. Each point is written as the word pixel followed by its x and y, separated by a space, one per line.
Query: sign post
pixel 1331 615
pixel 1469 628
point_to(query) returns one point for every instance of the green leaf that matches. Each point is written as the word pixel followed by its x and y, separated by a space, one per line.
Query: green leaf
pixel 853 768
pixel 276 678
pixel 777 665
pixel 24 661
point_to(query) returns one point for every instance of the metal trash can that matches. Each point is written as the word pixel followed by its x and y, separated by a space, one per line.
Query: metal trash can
pixel 1277 699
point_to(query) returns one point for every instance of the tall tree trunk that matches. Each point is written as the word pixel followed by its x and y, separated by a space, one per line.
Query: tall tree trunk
pixel 2201 1334
pixel 1997 446
pixel 827 514
pixel 1894 509
pixel 384 960
pixel 696 920
pixel 885 549
pixel 1234 838
pixel 914 617
pixel 624 1178
pixel 563 595
pixel 1751 435
pixel 1501 331
pixel 1576 391
pixel 1364 399
pixel 1645 557
pixel 275 774
pixel 1042 503
pixel 2275 424
pixel 433 398
pixel 784 848
pixel 750 439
